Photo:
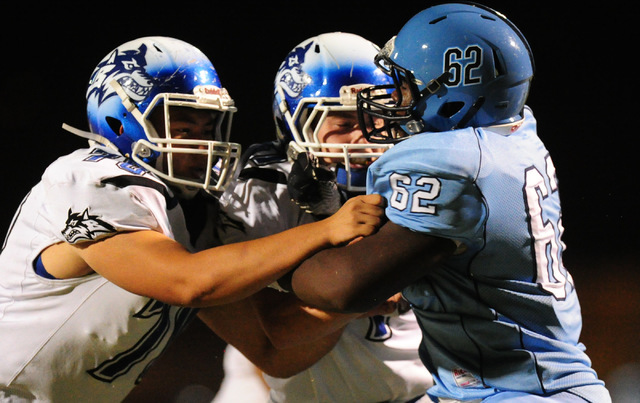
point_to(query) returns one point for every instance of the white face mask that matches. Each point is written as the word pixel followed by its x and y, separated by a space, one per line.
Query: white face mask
pixel 346 156
pixel 218 158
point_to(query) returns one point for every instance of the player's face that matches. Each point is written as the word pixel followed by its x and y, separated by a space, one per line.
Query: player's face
pixel 343 127
pixel 402 94
pixel 188 124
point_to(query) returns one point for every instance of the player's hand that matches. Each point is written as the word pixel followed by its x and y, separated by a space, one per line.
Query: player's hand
pixel 360 216
pixel 313 187
pixel 394 305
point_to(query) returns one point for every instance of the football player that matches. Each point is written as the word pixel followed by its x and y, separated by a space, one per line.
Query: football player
pixel 474 238
pixel 98 272
pixel 318 161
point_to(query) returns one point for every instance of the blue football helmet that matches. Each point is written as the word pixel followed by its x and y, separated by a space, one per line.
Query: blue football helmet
pixel 160 72
pixel 323 74
pixel 462 65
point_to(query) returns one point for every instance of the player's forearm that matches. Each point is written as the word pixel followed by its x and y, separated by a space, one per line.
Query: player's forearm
pixel 288 322
pixel 237 324
pixel 151 264
pixel 315 325
pixel 358 277
pixel 244 268
pixel 284 363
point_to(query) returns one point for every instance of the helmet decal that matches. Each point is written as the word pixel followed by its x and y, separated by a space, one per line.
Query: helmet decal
pixel 127 68
pixel 290 75
pixel 465 65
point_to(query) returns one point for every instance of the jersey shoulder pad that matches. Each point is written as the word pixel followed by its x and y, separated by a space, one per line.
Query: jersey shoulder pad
pixel 453 154
pixel 261 154
pixel 260 159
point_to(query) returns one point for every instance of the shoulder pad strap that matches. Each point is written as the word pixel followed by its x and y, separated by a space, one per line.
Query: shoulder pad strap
pixel 264 174
pixel 123 181
pixel 265 153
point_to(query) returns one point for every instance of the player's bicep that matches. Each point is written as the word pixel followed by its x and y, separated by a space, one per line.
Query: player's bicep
pixel 107 256
pixel 63 261
pixel 444 206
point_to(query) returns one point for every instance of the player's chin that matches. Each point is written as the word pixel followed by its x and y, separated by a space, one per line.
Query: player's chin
pixel 360 164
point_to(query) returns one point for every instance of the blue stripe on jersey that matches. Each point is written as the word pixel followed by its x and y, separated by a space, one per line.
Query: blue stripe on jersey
pixel 40 270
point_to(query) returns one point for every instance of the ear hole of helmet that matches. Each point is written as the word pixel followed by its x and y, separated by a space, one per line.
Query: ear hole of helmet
pixel 498 64
pixel 114 124
pixel 449 109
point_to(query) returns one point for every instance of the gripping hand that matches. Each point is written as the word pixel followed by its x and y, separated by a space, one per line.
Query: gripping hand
pixel 313 187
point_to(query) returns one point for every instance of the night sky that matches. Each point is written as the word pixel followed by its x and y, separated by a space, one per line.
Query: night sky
pixel 580 96
pixel 584 96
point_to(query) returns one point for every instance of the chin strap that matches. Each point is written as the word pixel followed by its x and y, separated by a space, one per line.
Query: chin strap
pixel 92 137
pixel 127 102
pixel 433 87
pixel 471 112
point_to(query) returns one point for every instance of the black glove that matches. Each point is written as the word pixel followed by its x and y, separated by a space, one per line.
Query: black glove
pixel 313 187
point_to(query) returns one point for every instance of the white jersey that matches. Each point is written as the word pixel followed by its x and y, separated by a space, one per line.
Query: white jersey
pixel 82 339
pixel 376 359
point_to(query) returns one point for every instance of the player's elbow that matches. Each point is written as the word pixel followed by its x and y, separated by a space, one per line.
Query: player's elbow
pixel 277 372
pixel 279 337
pixel 276 369
pixel 184 296
pixel 336 289
pixel 278 365
pixel 336 297
pixel 350 301
pixel 193 292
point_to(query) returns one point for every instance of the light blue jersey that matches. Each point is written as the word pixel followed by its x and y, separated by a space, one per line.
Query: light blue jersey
pixel 502 314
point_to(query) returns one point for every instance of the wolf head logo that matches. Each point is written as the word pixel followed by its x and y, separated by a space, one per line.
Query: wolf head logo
pixel 127 68
pixel 84 227
pixel 291 77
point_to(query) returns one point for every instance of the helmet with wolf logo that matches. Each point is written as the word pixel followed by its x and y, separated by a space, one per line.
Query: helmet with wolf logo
pixel 320 75
pixel 161 72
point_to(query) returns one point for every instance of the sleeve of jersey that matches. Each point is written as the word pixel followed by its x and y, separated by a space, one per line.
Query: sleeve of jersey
pixel 429 186
pixel 86 209
pixel 258 208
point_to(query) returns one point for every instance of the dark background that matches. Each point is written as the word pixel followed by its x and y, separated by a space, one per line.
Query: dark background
pixel 584 96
